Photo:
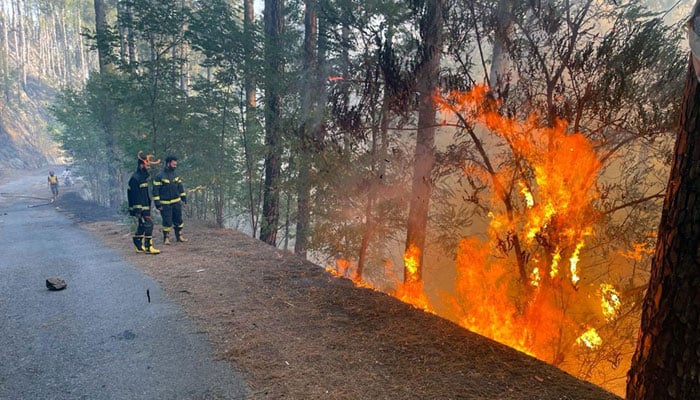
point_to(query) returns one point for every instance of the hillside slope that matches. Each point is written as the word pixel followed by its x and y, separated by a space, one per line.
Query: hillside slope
pixel 24 138
pixel 297 332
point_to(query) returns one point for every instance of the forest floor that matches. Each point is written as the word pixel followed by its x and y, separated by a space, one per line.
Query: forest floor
pixel 297 332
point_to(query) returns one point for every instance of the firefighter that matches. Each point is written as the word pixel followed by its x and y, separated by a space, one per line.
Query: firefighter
pixel 140 206
pixel 169 196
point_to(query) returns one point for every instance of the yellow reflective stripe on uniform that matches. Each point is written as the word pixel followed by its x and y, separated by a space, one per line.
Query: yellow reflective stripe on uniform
pixel 156 198
pixel 144 185
pixel 183 194
pixel 175 200
pixel 138 207
pixel 165 180
pixel 157 183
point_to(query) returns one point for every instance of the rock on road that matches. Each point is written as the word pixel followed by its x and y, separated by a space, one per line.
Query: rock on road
pixel 99 338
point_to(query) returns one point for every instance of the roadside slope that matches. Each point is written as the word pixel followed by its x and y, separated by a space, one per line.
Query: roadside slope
pixel 300 333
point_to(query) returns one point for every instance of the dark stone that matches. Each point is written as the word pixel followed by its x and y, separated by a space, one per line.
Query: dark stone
pixel 126 335
pixel 55 284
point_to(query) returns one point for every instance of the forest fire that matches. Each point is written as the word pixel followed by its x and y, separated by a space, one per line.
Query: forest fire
pixel 511 284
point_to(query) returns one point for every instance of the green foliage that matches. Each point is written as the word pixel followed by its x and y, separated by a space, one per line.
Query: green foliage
pixel 80 138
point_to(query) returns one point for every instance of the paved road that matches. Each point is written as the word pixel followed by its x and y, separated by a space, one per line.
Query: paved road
pixel 99 338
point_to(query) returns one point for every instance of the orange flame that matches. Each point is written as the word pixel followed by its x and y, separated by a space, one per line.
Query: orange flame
pixel 535 277
pixel 610 301
pixel 555 177
pixel 529 200
pixel 573 260
pixel 413 294
pixel 411 259
pixel 590 339
pixel 554 267
pixel 524 300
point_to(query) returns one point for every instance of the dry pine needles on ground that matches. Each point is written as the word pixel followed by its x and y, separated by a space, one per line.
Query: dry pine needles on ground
pixel 296 332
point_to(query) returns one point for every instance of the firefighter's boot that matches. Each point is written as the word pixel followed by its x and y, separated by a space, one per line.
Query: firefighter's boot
pixel 148 246
pixel 138 242
pixel 166 237
pixel 179 237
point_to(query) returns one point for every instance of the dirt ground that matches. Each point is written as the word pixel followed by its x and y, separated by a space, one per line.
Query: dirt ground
pixel 296 332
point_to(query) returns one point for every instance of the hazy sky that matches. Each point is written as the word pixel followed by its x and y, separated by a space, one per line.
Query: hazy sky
pixel 679 9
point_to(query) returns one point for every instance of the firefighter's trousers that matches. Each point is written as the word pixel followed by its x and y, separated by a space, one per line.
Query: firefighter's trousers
pixel 172 217
pixel 145 226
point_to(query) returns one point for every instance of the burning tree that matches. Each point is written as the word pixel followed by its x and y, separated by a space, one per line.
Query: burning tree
pixel 525 278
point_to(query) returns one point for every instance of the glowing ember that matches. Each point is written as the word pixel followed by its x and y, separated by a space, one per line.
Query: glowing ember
pixel 609 301
pixel 589 339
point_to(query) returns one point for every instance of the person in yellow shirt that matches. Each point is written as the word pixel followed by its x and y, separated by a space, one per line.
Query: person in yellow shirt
pixel 53 184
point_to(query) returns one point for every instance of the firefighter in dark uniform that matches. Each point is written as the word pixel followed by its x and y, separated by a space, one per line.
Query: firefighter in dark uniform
pixel 169 196
pixel 140 206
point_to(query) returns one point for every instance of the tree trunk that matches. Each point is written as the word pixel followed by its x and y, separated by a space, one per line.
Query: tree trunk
pixel 123 31
pixel 53 68
pixel 378 154
pixel 15 39
pixel 666 363
pixel 181 53
pixel 274 62
pixel 428 76
pixel 309 118
pixel 219 192
pixel 67 56
pixel 250 130
pixel 82 61
pixel 378 157
pixel 500 61
pixel 20 46
pixel 106 68
pixel 127 23
pixel 6 82
pixel 101 37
